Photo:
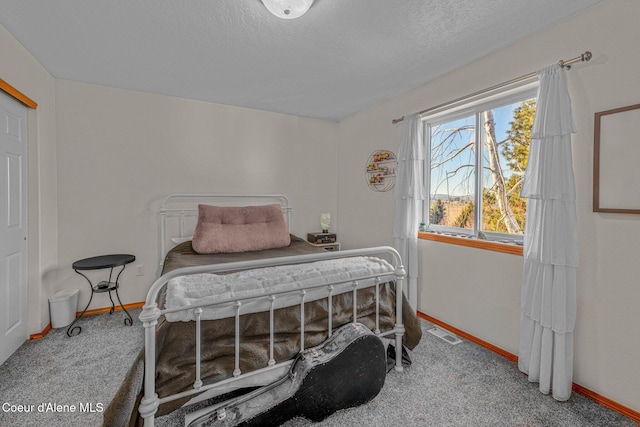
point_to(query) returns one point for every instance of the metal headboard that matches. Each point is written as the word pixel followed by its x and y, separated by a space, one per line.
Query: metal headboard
pixel 183 208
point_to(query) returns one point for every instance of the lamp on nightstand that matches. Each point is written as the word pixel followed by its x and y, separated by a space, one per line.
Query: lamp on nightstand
pixel 325 221
pixel 324 239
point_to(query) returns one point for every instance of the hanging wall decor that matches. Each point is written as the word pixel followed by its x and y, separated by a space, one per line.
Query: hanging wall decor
pixel 381 170
pixel 615 161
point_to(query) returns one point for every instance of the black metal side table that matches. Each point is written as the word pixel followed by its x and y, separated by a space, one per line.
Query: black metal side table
pixel 99 263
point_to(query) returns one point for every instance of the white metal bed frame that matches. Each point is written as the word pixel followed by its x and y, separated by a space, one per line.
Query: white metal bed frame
pixel 273 371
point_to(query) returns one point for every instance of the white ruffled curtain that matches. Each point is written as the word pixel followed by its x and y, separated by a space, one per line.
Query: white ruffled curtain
pixel 548 297
pixel 409 194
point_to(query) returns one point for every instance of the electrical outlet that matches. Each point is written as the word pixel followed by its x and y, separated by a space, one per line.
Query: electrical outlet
pixel 139 270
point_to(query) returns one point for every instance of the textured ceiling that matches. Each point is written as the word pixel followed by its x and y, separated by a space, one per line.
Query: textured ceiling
pixel 338 59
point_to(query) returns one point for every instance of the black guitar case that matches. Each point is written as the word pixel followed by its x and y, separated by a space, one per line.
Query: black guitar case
pixel 345 371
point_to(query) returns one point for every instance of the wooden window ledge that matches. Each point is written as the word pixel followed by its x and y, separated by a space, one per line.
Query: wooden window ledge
pixel 506 248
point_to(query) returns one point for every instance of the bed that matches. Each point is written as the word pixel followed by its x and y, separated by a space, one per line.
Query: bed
pixel 230 314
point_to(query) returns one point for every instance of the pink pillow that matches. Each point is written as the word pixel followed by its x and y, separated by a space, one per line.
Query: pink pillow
pixel 239 229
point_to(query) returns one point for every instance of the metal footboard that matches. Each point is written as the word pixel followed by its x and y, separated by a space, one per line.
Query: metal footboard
pixel 151 313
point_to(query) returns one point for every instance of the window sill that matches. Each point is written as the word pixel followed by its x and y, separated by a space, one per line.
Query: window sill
pixel 473 243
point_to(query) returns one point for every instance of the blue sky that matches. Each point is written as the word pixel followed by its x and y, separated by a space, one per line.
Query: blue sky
pixel 461 183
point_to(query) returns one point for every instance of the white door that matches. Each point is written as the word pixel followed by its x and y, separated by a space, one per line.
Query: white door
pixel 13 227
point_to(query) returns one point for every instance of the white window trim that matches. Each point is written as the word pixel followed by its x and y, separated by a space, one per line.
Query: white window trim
pixel 458 110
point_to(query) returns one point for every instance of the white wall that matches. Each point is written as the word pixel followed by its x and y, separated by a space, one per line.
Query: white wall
pixel 121 152
pixel 23 72
pixel 483 296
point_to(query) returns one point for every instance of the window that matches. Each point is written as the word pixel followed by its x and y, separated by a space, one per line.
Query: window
pixel 477 156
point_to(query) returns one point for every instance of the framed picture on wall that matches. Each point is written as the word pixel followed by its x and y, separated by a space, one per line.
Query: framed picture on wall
pixel 616 160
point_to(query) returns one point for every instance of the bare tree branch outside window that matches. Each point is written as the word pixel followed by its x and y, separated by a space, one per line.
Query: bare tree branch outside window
pixel 505 134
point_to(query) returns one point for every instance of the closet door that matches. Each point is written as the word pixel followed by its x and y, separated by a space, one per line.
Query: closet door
pixel 13 227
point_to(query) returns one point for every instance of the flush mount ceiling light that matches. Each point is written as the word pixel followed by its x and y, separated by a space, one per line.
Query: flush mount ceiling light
pixel 288 9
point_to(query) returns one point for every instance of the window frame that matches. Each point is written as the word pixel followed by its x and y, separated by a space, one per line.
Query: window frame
pixel 471 107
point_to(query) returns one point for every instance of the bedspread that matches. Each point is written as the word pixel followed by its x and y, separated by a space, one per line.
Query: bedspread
pixel 285 281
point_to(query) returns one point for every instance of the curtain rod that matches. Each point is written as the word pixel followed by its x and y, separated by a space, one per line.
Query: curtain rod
pixel 585 57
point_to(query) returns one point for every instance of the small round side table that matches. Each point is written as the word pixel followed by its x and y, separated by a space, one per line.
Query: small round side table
pixel 99 263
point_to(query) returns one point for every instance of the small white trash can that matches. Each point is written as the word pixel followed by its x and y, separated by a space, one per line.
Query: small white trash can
pixel 63 305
